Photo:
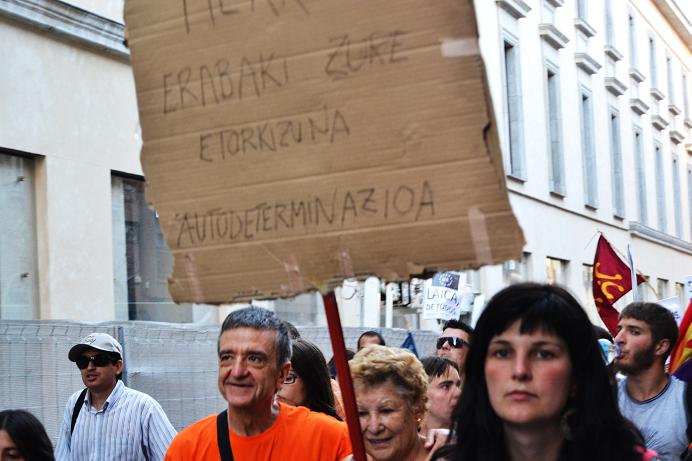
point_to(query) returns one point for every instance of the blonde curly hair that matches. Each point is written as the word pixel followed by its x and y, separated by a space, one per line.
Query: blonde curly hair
pixel 376 365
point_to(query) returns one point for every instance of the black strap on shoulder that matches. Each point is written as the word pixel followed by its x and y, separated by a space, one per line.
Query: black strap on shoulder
pixel 222 436
pixel 77 408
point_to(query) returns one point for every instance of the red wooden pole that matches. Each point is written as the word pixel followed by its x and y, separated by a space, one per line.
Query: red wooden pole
pixel 343 374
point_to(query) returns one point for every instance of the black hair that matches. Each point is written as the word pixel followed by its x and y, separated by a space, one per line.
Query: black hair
pixel 260 319
pixel 293 332
pixel 659 319
pixel 371 334
pixel 437 366
pixel 458 325
pixel 602 333
pixel 593 425
pixel 115 358
pixel 309 363
pixel 332 365
pixel 28 434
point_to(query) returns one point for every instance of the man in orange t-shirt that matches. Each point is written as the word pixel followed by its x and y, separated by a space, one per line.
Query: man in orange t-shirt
pixel 254 358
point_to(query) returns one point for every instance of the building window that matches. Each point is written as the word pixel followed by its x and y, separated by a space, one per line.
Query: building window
pixel 587 284
pixel 616 164
pixel 680 294
pixel 643 289
pixel 514 118
pixel 689 197
pixel 669 74
pixel 557 180
pixel 685 98
pixel 653 70
pixel 660 188
pixel 640 168
pixel 548 12
pixel 556 271
pixel 516 271
pixel 632 34
pixel 588 152
pixel 142 260
pixel 662 288
pixel 677 198
pixel 582 12
pixel 18 260
pixel 610 35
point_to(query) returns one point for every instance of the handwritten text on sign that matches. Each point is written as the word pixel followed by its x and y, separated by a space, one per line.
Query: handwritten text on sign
pixel 296 133
pixel 341 209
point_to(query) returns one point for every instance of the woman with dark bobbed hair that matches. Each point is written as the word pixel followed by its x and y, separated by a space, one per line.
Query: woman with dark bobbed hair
pixel 537 387
pixel 308 384
pixel 23 438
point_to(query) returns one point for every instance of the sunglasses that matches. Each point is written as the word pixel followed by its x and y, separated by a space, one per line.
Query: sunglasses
pixel 100 360
pixel 453 341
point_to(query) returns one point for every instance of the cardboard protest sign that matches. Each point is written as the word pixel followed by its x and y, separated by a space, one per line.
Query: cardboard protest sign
pixel 288 143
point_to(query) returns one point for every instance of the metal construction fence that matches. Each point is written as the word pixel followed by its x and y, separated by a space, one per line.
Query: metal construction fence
pixel 174 363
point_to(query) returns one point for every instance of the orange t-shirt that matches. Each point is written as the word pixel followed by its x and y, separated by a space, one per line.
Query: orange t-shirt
pixel 298 434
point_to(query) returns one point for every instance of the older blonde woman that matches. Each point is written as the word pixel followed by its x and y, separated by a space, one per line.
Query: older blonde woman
pixel 391 393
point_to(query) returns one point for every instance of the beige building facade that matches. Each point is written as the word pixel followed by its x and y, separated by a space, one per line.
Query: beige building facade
pixel 68 122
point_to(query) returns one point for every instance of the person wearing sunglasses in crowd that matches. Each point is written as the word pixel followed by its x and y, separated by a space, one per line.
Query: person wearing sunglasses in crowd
pixel 108 420
pixel 454 342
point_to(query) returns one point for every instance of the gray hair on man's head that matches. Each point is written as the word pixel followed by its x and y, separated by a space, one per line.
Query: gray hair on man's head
pixel 261 319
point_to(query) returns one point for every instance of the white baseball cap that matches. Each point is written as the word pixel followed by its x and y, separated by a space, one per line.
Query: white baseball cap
pixel 100 341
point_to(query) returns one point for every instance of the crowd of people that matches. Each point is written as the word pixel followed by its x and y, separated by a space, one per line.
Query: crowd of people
pixel 530 382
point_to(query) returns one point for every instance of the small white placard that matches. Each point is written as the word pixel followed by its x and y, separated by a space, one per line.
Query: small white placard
pixel 445 296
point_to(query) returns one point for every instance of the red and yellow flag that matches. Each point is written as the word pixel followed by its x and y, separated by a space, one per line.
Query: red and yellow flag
pixel 611 280
pixel 683 349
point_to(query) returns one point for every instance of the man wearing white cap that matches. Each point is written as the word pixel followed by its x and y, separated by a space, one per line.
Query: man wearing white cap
pixel 108 420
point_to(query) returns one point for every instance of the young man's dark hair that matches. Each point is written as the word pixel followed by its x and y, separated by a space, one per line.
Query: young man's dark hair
pixel 659 319
pixel 436 366
pixel 459 325
pixel 371 334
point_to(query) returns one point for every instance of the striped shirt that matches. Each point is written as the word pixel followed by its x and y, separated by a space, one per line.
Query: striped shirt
pixel 131 426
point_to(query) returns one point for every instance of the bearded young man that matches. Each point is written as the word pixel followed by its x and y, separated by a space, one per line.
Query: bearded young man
pixel 653 400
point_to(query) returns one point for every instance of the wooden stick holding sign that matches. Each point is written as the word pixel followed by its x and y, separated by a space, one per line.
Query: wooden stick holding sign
pixel 343 374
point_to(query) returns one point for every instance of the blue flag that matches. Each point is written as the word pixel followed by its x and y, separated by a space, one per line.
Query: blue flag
pixel 410 344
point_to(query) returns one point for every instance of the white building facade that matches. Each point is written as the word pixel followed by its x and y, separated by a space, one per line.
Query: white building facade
pixel 591 99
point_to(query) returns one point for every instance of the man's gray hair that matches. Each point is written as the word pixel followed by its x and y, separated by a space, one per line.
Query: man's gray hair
pixel 260 319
